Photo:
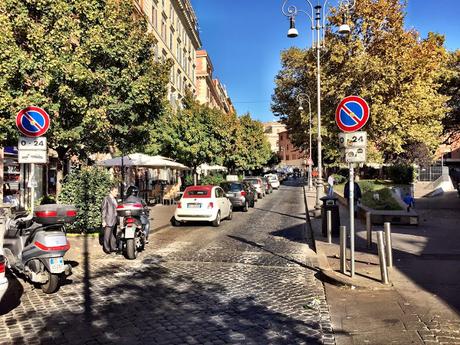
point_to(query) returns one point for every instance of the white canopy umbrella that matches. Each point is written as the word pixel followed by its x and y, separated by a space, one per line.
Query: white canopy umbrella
pixel 142 160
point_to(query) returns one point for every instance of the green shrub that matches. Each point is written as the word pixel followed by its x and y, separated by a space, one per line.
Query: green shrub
pixel 339 179
pixel 385 200
pixel 401 174
pixel 366 186
pixel 212 179
pixel 86 188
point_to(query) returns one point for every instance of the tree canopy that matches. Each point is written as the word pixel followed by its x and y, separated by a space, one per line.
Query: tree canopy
pixel 89 63
pixel 395 71
pixel 199 134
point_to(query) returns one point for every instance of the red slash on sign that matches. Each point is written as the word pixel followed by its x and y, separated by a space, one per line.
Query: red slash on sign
pixel 352 114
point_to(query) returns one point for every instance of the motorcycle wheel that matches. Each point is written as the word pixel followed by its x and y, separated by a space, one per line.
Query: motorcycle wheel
pixel 52 285
pixel 131 251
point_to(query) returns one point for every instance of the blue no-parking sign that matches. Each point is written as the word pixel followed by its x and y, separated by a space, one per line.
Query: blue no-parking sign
pixel 352 114
pixel 32 121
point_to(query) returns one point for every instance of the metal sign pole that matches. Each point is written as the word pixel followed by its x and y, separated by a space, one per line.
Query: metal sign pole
pixel 352 220
pixel 32 187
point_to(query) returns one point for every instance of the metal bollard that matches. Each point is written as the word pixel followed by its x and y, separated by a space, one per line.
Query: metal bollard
pixel 343 248
pixel 388 244
pixel 369 229
pixel 329 226
pixel 383 264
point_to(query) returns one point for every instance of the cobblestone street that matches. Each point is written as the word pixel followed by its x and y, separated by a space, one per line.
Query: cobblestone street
pixel 247 282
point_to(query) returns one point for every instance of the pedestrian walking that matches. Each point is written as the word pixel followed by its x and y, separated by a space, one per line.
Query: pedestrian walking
pixel 109 220
pixel 330 182
pixel 409 201
pixel 356 194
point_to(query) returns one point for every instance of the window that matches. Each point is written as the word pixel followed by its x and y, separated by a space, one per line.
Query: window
pixel 163 30
pixel 154 17
pixel 171 38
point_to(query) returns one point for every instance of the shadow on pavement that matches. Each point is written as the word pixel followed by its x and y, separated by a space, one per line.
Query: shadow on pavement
pixel 12 297
pixel 153 305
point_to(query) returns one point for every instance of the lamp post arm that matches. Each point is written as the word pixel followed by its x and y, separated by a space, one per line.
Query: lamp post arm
pixel 293 11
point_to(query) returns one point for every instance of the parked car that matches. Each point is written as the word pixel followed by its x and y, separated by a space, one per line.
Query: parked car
pixel 273 179
pixel 257 184
pixel 3 280
pixel 252 190
pixel 268 186
pixel 203 203
pixel 239 194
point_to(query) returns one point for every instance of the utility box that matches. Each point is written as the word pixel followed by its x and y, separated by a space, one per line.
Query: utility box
pixel 330 204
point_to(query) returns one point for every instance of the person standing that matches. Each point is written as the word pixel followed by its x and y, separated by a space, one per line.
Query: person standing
pixel 109 220
pixel 356 194
pixel 330 182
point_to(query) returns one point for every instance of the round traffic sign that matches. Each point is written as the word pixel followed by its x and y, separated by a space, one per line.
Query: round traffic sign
pixel 352 113
pixel 32 121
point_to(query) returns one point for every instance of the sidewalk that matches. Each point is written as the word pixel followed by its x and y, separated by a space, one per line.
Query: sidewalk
pixel 160 216
pixel 421 304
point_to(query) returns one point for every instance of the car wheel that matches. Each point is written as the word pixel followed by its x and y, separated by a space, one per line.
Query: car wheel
pixel 246 206
pixel 175 222
pixel 216 222
pixel 230 214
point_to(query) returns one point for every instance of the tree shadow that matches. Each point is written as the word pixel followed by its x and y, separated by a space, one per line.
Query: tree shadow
pixel 152 304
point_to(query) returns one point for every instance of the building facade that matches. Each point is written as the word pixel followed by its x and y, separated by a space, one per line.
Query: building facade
pixel 209 90
pixel 289 154
pixel 271 131
pixel 175 28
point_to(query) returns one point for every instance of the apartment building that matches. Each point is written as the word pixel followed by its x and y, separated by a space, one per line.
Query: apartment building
pixel 208 89
pixel 288 153
pixel 175 28
pixel 271 131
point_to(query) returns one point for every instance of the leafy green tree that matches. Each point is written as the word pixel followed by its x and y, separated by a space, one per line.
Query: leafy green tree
pixel 397 73
pixel 256 151
pixel 89 63
pixel 451 88
pixel 193 136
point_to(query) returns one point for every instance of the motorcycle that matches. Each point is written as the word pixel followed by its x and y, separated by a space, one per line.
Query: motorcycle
pixel 131 230
pixel 35 245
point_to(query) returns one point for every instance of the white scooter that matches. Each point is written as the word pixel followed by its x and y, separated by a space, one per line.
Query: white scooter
pixel 35 245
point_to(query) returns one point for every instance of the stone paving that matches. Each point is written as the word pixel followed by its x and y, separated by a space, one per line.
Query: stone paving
pixel 248 282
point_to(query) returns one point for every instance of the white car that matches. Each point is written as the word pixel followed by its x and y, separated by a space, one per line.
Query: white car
pixel 273 179
pixel 203 203
pixel 3 280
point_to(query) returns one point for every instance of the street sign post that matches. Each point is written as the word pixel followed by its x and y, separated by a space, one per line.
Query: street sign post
pixel 32 121
pixel 352 114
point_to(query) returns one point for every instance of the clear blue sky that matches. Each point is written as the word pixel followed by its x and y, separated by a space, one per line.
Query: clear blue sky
pixel 244 39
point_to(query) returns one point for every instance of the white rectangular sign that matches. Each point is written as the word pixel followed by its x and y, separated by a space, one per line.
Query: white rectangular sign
pixel 32 156
pixel 355 155
pixel 25 143
pixel 355 139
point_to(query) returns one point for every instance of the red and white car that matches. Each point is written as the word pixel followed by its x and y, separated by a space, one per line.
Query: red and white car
pixel 3 280
pixel 203 203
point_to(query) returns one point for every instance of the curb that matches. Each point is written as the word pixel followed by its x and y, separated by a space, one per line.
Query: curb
pixel 335 277
pixel 338 279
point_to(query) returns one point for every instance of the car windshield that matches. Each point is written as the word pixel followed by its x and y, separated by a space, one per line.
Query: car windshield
pixel 253 181
pixel 197 193
pixel 232 187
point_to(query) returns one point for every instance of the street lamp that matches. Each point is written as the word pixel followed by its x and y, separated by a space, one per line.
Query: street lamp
pixel 300 98
pixel 318 23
